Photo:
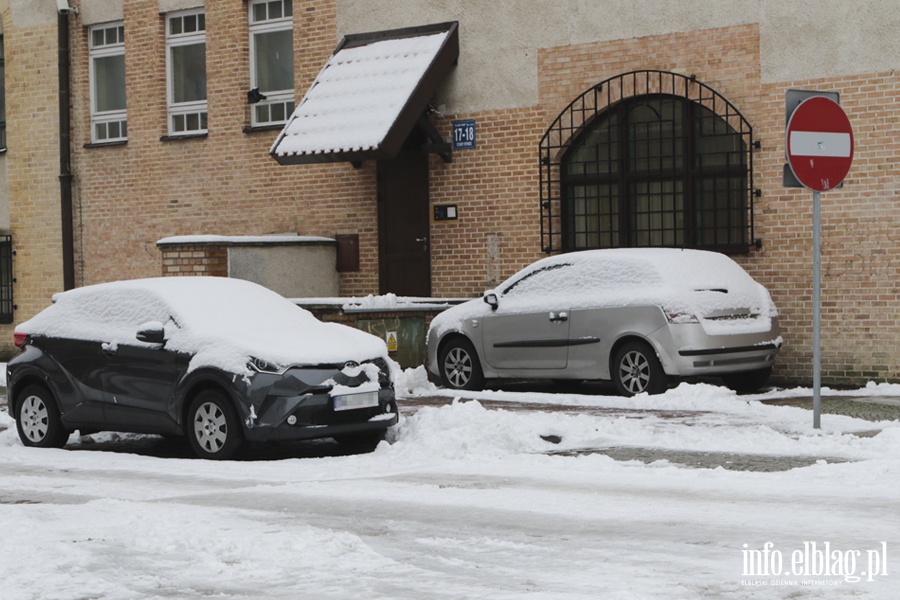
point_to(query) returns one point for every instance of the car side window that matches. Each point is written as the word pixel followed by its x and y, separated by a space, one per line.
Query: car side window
pixel 539 281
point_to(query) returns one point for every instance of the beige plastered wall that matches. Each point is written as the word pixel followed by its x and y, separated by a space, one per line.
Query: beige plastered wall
pixel 499 40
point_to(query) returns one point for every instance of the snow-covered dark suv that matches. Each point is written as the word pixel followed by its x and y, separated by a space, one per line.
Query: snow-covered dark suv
pixel 222 361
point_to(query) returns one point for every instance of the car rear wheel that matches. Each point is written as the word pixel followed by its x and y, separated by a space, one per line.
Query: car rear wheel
pixel 460 369
pixel 37 419
pixel 636 370
pixel 213 427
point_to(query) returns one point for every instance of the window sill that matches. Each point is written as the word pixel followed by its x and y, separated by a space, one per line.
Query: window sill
pixel 262 128
pixel 105 144
pixel 178 138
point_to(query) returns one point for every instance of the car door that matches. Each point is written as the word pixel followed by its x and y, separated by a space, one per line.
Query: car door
pixel 81 391
pixel 139 386
pixel 529 330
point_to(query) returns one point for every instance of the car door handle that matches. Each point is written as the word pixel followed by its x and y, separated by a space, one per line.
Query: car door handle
pixel 558 317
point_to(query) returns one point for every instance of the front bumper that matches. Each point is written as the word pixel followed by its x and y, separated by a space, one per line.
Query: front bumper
pixel 299 405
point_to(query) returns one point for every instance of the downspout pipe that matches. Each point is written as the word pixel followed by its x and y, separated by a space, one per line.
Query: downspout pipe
pixel 65 148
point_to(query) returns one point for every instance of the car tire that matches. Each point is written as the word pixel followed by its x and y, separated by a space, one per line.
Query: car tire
pixel 459 366
pixel 212 426
pixel 38 419
pixel 748 381
pixel 636 370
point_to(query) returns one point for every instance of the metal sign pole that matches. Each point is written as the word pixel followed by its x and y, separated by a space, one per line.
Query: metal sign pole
pixel 817 315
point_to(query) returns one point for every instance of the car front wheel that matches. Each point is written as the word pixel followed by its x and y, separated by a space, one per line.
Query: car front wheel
pixel 636 370
pixel 38 420
pixel 460 369
pixel 213 427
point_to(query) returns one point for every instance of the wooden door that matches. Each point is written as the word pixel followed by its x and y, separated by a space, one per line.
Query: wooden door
pixel 403 225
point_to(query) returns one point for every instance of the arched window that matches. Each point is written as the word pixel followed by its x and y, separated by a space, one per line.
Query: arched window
pixel 648 169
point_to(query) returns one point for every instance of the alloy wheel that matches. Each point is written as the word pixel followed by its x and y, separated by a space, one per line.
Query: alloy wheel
pixel 35 419
pixel 458 367
pixel 210 427
pixel 634 372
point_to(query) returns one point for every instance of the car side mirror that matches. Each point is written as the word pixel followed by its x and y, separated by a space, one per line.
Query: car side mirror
pixel 152 333
pixel 491 299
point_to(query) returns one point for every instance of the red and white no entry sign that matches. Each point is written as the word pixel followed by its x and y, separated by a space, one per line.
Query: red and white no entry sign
pixel 819 143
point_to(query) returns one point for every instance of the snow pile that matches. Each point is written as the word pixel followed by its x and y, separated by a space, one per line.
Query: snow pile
pixel 221 321
pixel 719 422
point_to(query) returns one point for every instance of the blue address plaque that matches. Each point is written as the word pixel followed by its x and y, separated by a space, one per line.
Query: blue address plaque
pixel 464 134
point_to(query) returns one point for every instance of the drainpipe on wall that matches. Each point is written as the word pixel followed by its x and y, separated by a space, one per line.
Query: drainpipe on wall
pixel 65 151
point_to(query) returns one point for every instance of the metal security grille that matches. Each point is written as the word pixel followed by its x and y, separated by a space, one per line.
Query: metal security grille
pixel 648 158
pixel 6 279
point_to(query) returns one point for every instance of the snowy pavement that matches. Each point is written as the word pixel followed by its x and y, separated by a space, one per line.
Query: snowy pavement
pixel 471 499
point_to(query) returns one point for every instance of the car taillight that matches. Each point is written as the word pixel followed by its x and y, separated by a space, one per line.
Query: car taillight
pixel 19 340
pixel 681 317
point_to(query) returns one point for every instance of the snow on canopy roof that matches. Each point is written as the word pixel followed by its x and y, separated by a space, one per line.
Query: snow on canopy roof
pixel 221 321
pixel 368 96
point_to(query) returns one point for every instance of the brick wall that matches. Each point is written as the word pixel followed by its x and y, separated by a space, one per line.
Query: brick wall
pixel 32 163
pixel 194 259
pixel 132 195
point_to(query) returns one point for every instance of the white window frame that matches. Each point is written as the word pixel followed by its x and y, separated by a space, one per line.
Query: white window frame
pixel 105 123
pixel 282 100
pixel 186 112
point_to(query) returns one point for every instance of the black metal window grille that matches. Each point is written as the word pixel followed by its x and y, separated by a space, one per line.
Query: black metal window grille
pixel 648 158
pixel 6 279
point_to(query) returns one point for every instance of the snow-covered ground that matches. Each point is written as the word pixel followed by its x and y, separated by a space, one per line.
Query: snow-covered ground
pixel 474 502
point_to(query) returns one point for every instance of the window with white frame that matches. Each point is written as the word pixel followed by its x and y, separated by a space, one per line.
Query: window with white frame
pixel 271 61
pixel 186 72
pixel 109 122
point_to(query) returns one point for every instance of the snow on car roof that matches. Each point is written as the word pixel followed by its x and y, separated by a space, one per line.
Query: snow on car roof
pixel 635 267
pixel 222 321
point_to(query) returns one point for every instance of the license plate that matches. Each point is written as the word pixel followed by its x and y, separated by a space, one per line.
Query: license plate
pixel 352 401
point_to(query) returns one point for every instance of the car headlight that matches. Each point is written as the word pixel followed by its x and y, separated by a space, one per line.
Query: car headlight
pixel 261 365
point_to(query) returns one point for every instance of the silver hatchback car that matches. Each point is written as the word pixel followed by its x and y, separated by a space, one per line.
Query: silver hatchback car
pixel 638 317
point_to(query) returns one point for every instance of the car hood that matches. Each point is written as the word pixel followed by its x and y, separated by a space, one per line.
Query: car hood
pixel 314 343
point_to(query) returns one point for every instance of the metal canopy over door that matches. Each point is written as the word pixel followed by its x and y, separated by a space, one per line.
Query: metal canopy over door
pixel 403 225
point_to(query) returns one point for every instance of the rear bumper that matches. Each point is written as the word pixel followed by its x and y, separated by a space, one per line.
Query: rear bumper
pixel 687 350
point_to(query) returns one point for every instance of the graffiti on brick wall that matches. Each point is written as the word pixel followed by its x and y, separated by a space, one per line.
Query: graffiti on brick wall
pixel 857 264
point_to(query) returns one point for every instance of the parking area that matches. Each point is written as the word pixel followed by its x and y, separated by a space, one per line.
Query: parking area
pixel 873 409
